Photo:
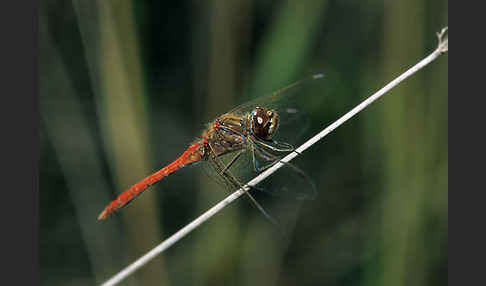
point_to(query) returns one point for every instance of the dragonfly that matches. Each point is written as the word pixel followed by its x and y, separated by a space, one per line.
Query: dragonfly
pixel 249 130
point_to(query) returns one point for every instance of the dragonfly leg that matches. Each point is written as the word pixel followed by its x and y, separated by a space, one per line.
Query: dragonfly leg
pixel 218 164
pixel 231 162
pixel 289 147
pixel 283 147
pixel 262 153
pixel 256 167
pixel 270 157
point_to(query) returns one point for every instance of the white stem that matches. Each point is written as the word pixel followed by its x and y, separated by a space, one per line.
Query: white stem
pixel 443 47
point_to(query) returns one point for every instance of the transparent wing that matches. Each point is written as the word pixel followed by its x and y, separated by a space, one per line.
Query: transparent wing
pixel 293 120
pixel 222 169
pixel 289 181
pixel 279 99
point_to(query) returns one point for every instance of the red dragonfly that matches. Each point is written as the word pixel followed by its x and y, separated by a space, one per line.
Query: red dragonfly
pixel 248 129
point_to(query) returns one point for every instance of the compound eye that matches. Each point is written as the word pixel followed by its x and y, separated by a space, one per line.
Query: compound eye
pixel 264 123
pixel 260 123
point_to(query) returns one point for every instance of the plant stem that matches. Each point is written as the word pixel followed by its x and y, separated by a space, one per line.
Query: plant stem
pixel 443 47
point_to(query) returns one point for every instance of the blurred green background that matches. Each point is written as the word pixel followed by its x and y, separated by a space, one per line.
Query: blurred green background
pixel 125 86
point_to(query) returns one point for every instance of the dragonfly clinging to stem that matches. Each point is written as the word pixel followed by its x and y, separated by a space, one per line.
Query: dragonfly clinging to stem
pixel 248 129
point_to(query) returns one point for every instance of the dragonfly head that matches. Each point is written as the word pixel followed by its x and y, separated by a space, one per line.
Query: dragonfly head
pixel 264 122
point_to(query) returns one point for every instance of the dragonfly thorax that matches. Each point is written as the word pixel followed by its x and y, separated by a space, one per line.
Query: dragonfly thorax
pixel 263 122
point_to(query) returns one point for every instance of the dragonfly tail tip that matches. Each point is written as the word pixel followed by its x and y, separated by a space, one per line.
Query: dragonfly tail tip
pixel 103 215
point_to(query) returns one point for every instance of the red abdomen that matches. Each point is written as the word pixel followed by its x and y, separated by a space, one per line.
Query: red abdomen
pixel 193 154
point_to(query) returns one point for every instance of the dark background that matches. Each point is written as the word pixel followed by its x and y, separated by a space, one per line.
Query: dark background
pixel 125 86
